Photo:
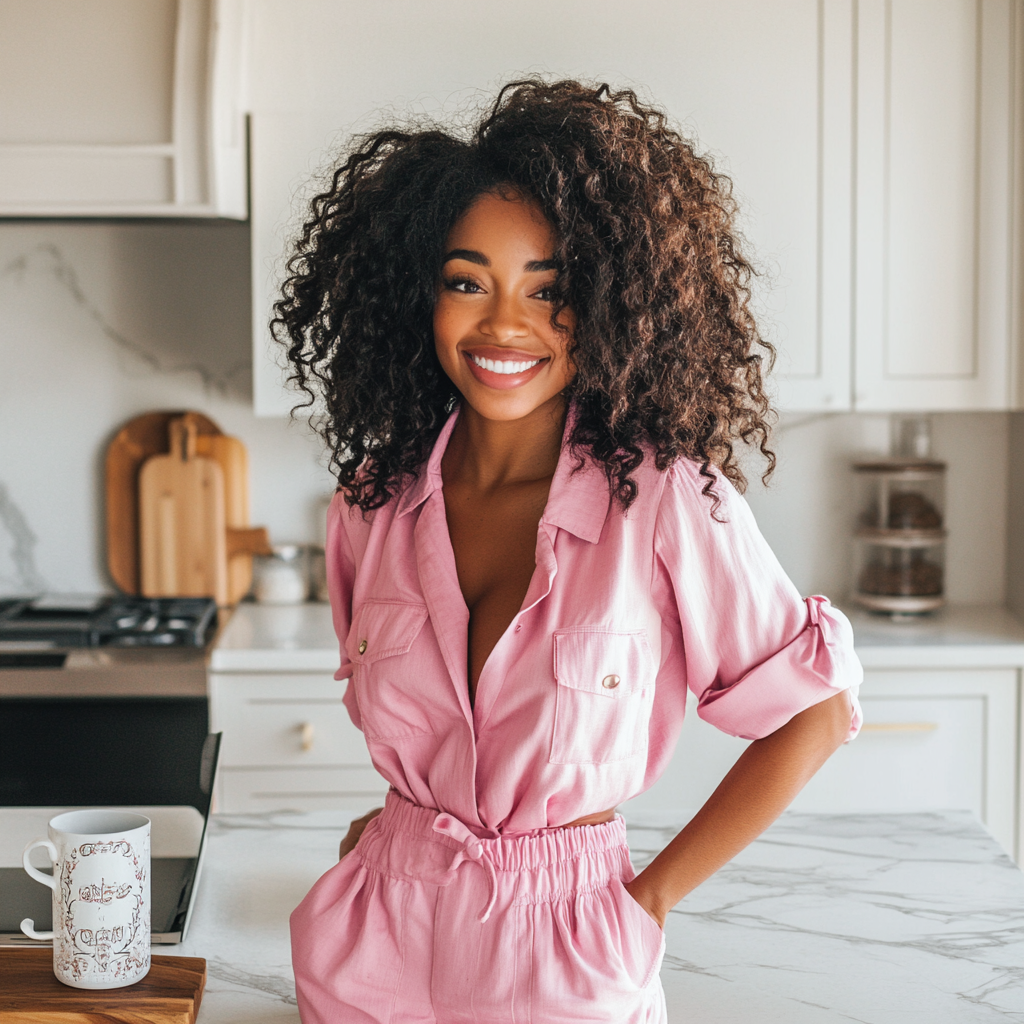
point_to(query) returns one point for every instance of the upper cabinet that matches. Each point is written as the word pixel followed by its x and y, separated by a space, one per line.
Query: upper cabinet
pixel 766 89
pixel 122 108
pixel 935 269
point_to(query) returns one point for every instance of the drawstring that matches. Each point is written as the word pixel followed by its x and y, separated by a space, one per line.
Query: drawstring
pixel 472 849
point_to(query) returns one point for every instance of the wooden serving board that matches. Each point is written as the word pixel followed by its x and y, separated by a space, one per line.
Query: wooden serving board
pixel 146 436
pixel 135 442
pixel 30 994
pixel 182 527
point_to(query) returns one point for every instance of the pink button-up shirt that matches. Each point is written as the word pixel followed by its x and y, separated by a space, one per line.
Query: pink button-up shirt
pixel 579 705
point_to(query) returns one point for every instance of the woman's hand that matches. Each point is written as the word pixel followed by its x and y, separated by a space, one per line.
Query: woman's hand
pixel 637 890
pixel 355 830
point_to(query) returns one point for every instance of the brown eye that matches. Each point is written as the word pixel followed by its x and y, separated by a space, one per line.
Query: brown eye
pixel 466 285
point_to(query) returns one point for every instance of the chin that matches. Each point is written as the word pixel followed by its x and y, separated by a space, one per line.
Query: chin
pixel 508 408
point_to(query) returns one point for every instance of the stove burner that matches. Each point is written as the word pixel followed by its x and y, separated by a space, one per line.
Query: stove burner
pixel 120 621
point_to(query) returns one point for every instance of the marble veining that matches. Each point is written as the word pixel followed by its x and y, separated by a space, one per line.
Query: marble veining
pixel 877 919
pixel 50 260
pixel 27 578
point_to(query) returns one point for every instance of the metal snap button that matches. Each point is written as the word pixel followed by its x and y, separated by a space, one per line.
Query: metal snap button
pixel 362 646
pixel 610 682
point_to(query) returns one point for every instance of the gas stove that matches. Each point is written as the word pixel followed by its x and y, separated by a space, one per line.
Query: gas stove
pixel 56 622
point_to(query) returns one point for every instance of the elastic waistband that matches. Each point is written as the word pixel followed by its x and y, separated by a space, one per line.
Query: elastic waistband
pixel 522 852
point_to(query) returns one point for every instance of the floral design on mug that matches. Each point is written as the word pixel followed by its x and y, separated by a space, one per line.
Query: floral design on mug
pixel 119 951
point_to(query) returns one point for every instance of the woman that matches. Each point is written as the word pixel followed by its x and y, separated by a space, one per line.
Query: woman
pixel 534 353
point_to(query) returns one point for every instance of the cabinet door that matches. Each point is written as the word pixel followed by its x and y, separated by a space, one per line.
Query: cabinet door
pixel 121 108
pixel 295 721
pixel 767 88
pixel 932 740
pixel 289 744
pixel 934 204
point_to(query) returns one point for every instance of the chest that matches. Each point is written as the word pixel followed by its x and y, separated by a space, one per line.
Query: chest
pixel 493 539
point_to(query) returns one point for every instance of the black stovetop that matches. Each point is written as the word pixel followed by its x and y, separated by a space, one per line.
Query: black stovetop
pixel 106 621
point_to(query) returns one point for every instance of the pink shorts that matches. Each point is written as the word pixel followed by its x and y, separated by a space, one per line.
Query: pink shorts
pixel 423 922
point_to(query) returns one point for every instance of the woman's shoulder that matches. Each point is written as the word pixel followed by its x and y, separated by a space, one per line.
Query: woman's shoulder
pixel 699 494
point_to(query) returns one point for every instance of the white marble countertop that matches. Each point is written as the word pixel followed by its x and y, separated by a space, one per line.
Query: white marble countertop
pixel 965 636
pixel 879 919
pixel 277 638
pixel 290 638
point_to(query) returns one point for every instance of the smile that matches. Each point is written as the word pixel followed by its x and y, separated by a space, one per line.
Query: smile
pixel 503 366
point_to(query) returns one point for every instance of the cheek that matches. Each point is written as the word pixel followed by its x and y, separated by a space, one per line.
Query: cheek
pixel 445 334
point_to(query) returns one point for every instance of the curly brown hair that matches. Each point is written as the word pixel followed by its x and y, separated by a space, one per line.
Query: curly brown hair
pixel 667 352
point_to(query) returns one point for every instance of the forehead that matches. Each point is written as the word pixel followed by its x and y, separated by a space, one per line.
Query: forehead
pixel 495 223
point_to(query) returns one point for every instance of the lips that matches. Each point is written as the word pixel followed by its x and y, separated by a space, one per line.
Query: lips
pixel 503 369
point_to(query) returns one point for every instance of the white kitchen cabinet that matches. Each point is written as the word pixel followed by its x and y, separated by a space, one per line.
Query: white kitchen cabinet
pixel 288 744
pixel 767 89
pixel 935 273
pixel 122 108
pixel 933 739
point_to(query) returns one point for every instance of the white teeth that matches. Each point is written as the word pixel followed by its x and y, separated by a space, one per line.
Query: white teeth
pixel 503 366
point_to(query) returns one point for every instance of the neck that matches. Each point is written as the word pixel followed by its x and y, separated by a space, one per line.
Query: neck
pixel 492 453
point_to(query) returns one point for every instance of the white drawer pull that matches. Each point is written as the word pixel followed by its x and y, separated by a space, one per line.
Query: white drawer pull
pixel 899 726
pixel 306 731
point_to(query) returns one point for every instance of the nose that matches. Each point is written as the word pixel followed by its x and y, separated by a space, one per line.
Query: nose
pixel 505 319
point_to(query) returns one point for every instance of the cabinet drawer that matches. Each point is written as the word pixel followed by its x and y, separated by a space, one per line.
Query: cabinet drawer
pixel 284 721
pixel 349 788
pixel 913 754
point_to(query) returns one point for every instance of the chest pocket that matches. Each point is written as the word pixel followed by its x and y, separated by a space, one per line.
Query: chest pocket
pixel 386 682
pixel 605 689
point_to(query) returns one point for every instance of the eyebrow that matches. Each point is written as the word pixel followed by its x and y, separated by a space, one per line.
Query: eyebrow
pixel 472 256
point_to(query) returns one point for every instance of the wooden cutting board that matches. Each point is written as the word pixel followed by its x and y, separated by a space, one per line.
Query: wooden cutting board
pixel 147 435
pixel 136 441
pixel 30 994
pixel 182 524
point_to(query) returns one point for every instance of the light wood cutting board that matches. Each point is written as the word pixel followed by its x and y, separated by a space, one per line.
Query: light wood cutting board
pixel 30 994
pixel 147 435
pixel 182 523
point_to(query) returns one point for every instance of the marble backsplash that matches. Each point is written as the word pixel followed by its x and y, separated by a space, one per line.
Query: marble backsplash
pixel 102 320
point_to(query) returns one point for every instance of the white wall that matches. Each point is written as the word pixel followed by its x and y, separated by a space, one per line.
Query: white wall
pixel 100 321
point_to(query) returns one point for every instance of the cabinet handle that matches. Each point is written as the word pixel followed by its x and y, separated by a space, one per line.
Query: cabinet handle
pixel 899 726
pixel 306 732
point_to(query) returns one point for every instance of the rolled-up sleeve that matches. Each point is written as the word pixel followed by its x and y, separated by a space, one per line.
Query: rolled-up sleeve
pixel 755 652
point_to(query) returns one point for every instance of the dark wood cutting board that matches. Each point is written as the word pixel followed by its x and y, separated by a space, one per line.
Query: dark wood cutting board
pixel 30 994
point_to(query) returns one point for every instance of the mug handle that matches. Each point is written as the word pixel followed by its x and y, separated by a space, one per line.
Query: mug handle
pixel 28 925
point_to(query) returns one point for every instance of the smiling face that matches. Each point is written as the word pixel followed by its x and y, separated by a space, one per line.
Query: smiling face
pixel 492 318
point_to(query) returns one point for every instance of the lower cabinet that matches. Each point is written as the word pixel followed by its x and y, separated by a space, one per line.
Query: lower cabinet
pixel 288 744
pixel 932 739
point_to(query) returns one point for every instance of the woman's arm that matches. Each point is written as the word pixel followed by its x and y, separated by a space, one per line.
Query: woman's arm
pixel 758 788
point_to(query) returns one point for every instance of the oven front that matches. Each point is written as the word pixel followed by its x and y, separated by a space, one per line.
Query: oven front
pixel 102 727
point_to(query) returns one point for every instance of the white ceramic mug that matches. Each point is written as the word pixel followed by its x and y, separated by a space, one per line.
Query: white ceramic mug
pixel 101 897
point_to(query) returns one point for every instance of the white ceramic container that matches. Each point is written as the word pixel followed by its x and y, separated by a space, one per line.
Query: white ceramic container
pixel 101 897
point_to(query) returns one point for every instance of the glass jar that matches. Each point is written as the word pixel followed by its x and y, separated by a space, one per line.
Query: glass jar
pixel 901 535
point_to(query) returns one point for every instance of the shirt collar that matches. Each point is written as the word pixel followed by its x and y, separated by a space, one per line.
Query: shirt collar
pixel 577 501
